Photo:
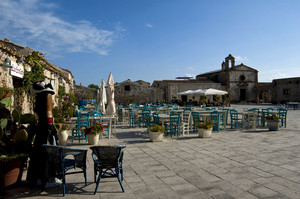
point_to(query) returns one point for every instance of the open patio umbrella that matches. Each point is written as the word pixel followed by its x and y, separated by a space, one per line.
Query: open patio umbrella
pixel 188 92
pixel 111 107
pixel 102 98
pixel 212 91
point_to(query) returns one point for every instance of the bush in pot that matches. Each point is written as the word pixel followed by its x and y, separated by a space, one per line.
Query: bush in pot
pixel 93 132
pixel 156 133
pixel 273 122
pixel 204 129
pixel 15 142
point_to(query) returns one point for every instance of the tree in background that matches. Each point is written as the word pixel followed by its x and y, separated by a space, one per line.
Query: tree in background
pixel 93 86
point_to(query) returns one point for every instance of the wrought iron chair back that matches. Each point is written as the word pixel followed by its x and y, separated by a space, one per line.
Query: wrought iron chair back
pixel 108 162
pixel 60 165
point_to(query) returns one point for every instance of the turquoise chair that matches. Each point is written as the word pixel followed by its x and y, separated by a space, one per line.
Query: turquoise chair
pixel 145 120
pixel 156 119
pixel 196 119
pixel 227 113
pixel 282 113
pixel 256 110
pixel 65 161
pixel 120 116
pixel 133 121
pixel 215 118
pixel 83 121
pixel 264 114
pixel 235 121
pixel 174 126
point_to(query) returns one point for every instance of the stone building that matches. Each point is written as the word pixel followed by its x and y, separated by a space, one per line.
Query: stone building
pixel 128 92
pixel 286 90
pixel 13 77
pixel 264 92
pixel 239 80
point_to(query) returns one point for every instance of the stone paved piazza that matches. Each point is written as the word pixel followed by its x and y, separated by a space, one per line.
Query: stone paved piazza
pixel 232 164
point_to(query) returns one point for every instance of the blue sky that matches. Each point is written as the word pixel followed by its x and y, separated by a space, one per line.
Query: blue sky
pixel 157 39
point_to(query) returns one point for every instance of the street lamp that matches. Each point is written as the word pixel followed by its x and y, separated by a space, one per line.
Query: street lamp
pixel 6 64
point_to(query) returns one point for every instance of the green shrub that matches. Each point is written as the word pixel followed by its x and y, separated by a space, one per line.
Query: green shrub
pixel 157 128
pixel 272 117
pixel 204 125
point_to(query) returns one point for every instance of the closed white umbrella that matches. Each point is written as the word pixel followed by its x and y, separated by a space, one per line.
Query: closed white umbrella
pixel 102 97
pixel 111 107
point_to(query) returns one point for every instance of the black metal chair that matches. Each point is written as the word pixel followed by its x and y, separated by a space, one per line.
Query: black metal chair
pixel 60 165
pixel 108 162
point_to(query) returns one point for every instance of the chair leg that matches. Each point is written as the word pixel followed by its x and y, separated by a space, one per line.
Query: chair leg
pixel 98 181
pixel 95 173
pixel 64 185
pixel 120 182
pixel 84 173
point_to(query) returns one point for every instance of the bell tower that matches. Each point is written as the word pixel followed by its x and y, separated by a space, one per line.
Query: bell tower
pixel 228 59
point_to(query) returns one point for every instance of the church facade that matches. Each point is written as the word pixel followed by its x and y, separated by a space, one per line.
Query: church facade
pixel 240 81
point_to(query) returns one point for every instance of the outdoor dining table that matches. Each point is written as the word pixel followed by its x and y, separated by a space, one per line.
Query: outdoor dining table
pixel 246 117
pixel 163 117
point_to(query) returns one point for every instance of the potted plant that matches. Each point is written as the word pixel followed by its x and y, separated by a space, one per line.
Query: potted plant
pixel 15 143
pixel 273 122
pixel 63 134
pixel 93 133
pixel 156 133
pixel 204 129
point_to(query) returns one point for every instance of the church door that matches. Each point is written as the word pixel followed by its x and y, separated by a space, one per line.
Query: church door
pixel 242 94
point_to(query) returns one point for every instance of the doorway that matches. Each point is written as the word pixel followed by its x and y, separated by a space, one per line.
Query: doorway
pixel 242 94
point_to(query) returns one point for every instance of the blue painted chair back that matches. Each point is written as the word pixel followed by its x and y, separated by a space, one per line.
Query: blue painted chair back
pixel 282 113
pixel 215 118
pixel 174 126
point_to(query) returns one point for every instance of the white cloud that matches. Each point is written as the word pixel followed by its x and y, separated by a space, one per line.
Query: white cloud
pixel 148 25
pixel 33 22
pixel 240 59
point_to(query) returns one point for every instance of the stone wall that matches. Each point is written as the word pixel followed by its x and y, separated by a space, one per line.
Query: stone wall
pixel 83 92
pixel 286 90
pixel 128 92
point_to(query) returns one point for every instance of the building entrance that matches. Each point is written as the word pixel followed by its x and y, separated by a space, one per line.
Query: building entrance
pixel 242 94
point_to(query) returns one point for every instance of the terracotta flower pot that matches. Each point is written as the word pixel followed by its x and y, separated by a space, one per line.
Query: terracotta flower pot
pixel 11 172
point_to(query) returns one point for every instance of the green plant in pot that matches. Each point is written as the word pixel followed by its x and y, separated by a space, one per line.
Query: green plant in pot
pixel 273 122
pixel 15 142
pixel 93 132
pixel 156 133
pixel 204 129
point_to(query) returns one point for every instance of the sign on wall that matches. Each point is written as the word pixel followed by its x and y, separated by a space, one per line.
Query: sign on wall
pixel 17 70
